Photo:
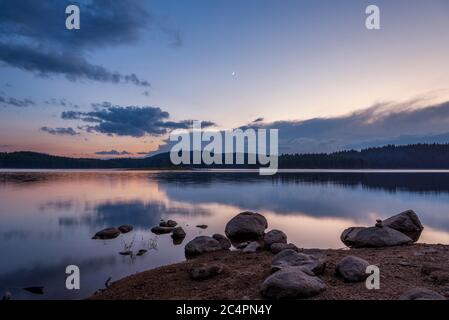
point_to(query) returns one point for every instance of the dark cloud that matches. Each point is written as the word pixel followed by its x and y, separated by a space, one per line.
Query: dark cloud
pixel 61 102
pixel 134 121
pixel 33 36
pixel 259 120
pixel 113 153
pixel 60 131
pixel 378 125
pixel 14 102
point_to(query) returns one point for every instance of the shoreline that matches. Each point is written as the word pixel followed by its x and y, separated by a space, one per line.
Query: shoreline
pixel 401 268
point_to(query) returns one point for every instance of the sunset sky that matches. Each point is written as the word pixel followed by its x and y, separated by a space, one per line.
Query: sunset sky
pixel 138 69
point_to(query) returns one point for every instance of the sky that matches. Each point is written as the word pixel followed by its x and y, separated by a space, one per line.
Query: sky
pixel 137 70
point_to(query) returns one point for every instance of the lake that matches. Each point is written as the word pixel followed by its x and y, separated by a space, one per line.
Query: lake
pixel 47 218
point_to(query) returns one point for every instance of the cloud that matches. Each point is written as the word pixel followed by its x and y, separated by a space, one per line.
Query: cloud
pixel 113 153
pixel 134 121
pixel 61 102
pixel 259 120
pixel 378 125
pixel 14 102
pixel 33 36
pixel 60 131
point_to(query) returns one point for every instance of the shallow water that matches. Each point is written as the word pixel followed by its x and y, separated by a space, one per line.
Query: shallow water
pixel 47 218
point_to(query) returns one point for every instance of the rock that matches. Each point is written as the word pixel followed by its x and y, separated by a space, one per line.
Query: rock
pixel 421 294
pixel 178 233
pixel 202 226
pixel 202 244
pixel 125 228
pixel 406 222
pixel 291 283
pixel 205 272
pixel 246 226
pixel 252 247
pixel 373 237
pixel 169 224
pixel 290 258
pixel 141 252
pixel 126 253
pixel 274 236
pixel 106 234
pixel 352 269
pixel 162 230
pixel 224 242
pixel 278 247
pixel 242 245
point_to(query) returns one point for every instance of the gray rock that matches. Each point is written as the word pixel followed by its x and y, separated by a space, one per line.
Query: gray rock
pixel 246 226
pixel 202 244
pixel 162 230
pixel 278 247
pixel 421 294
pixel 406 222
pixel 125 228
pixel 290 258
pixel 224 242
pixel 291 283
pixel 274 236
pixel 205 272
pixel 108 233
pixel 373 237
pixel 352 269
pixel 252 247
pixel 178 233
pixel 169 223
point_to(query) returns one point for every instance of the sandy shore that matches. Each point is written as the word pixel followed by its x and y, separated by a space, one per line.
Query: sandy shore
pixel 402 268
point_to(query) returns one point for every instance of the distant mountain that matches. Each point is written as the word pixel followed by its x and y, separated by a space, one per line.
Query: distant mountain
pixel 417 156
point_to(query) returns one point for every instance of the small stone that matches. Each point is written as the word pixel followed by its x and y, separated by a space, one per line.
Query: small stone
pixel 246 226
pixel 205 272
pixel 126 253
pixel 202 244
pixel 352 269
pixel 252 247
pixel 274 236
pixel 421 294
pixel 278 247
pixel 106 234
pixel 169 224
pixel 125 228
pixel 290 258
pixel 178 233
pixel 162 230
pixel 242 245
pixel 202 226
pixel 141 252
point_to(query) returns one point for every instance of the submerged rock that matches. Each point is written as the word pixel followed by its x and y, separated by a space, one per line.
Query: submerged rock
pixel 352 269
pixel 290 258
pixel 274 236
pixel 178 233
pixel 202 226
pixel 224 242
pixel 246 225
pixel 126 253
pixel 291 283
pixel 169 224
pixel 421 294
pixel 373 237
pixel 106 234
pixel 406 222
pixel 205 272
pixel 162 230
pixel 202 244
pixel 141 252
pixel 278 247
pixel 125 228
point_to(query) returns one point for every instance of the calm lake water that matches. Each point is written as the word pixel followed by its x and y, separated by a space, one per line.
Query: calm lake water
pixel 47 218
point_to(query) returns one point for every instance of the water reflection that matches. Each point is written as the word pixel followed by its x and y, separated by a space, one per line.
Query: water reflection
pixel 47 219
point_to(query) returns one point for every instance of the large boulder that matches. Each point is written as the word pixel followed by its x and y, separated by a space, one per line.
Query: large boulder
pixel 291 283
pixel 290 258
pixel 246 225
pixel 421 294
pixel 224 242
pixel 352 269
pixel 406 222
pixel 274 236
pixel 202 244
pixel 373 237
pixel 106 234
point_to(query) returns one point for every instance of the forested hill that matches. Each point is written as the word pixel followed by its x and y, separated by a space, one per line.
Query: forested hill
pixel 420 156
